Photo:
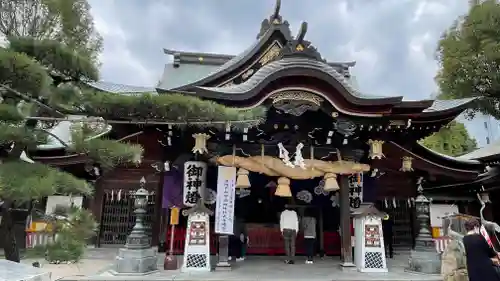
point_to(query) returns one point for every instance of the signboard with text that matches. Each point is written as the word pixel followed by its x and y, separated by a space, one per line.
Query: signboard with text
pixel 195 174
pixel 224 208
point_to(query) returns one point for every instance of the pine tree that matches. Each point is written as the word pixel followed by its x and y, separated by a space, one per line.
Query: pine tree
pixel 44 78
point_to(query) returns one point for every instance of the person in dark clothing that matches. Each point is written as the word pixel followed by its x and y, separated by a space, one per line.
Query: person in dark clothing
pixel 308 225
pixel 388 235
pixel 235 244
pixel 481 258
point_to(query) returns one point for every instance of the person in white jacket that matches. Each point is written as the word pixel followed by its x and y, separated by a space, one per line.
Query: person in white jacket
pixel 289 225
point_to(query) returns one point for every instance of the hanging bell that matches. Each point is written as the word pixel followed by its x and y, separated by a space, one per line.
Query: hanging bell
pixel 283 189
pixel 331 183
pixel 242 180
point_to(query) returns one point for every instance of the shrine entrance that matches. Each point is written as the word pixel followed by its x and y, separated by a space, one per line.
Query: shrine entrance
pixel 260 209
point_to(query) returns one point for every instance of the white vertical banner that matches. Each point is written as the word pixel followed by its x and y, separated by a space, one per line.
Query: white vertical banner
pixel 224 207
pixel 195 175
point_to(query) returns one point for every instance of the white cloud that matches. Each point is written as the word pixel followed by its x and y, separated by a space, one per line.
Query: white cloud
pixel 115 56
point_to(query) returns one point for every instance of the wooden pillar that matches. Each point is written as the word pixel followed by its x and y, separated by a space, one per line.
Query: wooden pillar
pixel 345 223
pixel 157 219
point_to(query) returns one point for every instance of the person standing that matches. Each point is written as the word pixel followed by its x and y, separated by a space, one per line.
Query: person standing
pixel 244 242
pixel 289 225
pixel 481 258
pixel 388 235
pixel 309 229
pixel 235 240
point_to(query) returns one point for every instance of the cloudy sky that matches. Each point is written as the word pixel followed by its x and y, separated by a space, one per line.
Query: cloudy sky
pixel 392 41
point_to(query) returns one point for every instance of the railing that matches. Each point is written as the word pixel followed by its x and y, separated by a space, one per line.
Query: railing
pixel 38 238
pixel 263 241
pixel 441 243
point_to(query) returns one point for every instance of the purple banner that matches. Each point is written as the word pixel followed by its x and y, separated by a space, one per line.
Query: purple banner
pixel 172 190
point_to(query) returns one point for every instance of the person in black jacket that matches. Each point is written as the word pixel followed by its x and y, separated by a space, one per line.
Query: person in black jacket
pixel 482 260
pixel 235 243
pixel 388 235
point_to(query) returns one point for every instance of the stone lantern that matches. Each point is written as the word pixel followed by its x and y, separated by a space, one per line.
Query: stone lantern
pixel 137 256
pixel 424 258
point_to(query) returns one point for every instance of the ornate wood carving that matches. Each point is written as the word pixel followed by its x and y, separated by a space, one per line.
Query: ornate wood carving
pixel 271 53
pixel 296 102
pixel 345 127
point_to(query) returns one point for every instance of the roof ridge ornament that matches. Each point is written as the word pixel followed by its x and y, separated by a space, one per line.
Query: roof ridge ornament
pixel 299 47
pixel 274 20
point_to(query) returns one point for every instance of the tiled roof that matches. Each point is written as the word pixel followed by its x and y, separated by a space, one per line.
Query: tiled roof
pixel 441 105
pixel 174 77
pixel 119 88
pixel 449 158
pixel 489 150
pixel 278 65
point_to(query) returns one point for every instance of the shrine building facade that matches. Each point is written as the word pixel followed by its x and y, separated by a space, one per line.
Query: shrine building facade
pixel 363 148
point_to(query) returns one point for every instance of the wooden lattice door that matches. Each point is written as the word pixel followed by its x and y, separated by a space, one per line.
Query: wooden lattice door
pixel 118 218
pixel 402 214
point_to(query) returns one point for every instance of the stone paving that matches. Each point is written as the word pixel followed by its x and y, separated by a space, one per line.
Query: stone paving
pixel 94 261
pixel 97 262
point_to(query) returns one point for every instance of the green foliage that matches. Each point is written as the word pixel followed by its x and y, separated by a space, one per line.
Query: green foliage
pixel 65 248
pixel 10 113
pixel 67 21
pixel 71 235
pixel 469 56
pixel 22 73
pixel 56 56
pixel 16 132
pixel 452 140
pixel 23 182
pixel 108 153
pixel 165 107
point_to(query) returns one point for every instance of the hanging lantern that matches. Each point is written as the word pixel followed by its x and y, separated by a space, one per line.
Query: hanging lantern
pixel 283 189
pixel 406 166
pixel 331 183
pixel 200 143
pixel 376 149
pixel 242 180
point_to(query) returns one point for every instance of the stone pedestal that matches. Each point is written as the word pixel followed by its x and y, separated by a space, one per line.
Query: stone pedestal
pixel 428 262
pixel 17 271
pixel 223 258
pixel 136 262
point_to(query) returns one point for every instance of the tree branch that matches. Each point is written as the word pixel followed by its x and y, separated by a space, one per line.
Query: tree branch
pixel 28 98
pixel 54 136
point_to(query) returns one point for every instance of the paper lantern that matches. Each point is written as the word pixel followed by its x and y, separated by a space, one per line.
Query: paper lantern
pixel 331 183
pixel 242 180
pixel 406 165
pixel 376 149
pixel 200 143
pixel 283 189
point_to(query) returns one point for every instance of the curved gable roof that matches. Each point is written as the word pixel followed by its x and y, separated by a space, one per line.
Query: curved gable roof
pixel 279 68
